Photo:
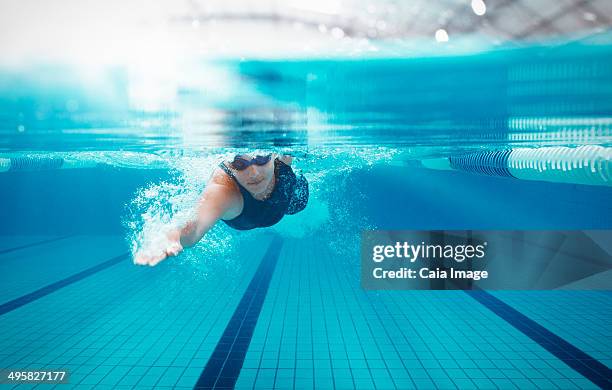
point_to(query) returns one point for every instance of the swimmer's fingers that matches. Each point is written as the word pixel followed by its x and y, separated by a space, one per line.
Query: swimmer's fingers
pixel 174 249
pixel 154 260
pixel 141 259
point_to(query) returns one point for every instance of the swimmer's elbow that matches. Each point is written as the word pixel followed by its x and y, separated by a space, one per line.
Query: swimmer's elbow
pixel 194 230
pixel 187 238
pixel 210 209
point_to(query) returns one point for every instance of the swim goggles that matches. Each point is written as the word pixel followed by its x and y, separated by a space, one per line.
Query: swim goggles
pixel 241 164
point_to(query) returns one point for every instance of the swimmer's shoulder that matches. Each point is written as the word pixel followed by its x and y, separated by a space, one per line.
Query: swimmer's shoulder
pixel 220 177
pixel 285 158
pixel 225 187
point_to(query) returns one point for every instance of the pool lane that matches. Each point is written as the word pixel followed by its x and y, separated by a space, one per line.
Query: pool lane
pixel 34 267
pixel 319 329
pixel 50 288
pixel 225 363
pixel 134 327
pixel 14 243
pixel 580 317
pixel 591 368
pixel 140 327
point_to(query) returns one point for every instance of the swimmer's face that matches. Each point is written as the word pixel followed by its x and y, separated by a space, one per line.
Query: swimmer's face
pixel 255 178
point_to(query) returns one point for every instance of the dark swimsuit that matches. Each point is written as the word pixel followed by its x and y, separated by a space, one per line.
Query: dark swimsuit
pixel 262 213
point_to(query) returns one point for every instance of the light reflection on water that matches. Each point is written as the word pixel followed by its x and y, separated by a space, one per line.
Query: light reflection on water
pixel 538 96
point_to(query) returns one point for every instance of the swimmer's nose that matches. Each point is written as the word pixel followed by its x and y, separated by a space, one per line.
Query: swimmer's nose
pixel 253 172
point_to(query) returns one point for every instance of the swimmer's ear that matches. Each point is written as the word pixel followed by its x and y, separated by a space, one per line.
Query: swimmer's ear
pixel 299 198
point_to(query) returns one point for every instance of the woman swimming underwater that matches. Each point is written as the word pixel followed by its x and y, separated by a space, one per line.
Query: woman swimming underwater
pixel 246 193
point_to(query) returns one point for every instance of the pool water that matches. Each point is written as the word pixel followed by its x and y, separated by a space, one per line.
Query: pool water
pixel 517 139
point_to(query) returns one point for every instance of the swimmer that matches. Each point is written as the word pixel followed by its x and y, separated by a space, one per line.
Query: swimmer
pixel 252 191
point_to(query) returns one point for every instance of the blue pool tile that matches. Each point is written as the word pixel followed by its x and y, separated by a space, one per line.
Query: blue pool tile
pixel 423 383
pixel 442 383
pixel 364 383
pixel 483 383
pixel 580 361
pixel 360 337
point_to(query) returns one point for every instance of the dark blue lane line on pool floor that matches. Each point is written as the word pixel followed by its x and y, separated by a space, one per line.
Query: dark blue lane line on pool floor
pixel 3 251
pixel 25 299
pixel 225 363
pixel 589 367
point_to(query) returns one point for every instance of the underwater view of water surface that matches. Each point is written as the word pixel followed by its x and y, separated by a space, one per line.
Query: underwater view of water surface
pixel 96 167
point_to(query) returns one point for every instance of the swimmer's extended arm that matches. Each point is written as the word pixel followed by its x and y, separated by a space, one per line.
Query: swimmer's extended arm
pixel 215 201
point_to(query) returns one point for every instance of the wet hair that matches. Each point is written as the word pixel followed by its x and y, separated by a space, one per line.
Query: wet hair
pixel 299 198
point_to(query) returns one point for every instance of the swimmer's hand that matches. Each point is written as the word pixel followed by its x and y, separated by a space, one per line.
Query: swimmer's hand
pixel 172 248
pixel 215 201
